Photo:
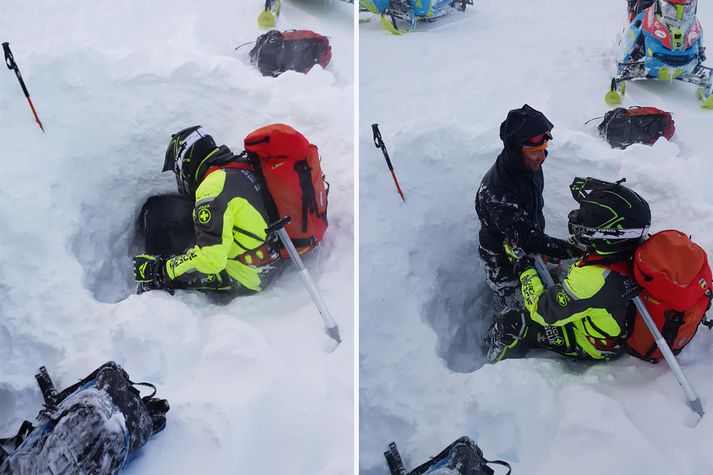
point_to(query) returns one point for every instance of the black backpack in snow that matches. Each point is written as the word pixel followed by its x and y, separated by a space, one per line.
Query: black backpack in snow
pixel 297 50
pixel 623 127
pixel 165 224
pixel 462 457
pixel 93 427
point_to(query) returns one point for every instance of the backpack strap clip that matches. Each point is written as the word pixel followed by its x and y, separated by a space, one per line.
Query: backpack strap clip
pixel 708 322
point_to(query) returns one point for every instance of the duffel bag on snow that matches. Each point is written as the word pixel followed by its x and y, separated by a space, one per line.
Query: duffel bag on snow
pixel 676 276
pixel 623 127
pixel 295 182
pixel 93 427
pixel 462 457
pixel 297 50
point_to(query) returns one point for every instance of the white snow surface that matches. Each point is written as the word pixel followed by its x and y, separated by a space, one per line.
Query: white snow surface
pixel 439 95
pixel 250 385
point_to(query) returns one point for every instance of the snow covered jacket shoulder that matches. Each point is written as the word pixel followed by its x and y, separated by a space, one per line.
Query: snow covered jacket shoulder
pixel 509 201
pixel 230 218
pixel 592 305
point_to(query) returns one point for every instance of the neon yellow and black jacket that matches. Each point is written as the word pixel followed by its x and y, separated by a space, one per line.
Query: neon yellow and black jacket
pixel 230 219
pixel 591 305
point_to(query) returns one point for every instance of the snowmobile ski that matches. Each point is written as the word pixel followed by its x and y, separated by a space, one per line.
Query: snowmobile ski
pixel 617 89
pixel 268 17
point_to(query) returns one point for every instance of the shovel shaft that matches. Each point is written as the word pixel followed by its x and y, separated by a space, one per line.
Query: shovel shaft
pixel 693 401
pixel 329 322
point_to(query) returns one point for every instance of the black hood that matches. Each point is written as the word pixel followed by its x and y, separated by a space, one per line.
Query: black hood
pixel 521 124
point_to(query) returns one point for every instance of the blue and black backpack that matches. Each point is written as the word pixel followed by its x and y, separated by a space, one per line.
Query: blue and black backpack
pixel 462 457
pixel 92 427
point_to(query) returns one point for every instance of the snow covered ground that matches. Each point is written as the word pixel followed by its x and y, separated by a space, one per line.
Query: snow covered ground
pixel 439 95
pixel 250 386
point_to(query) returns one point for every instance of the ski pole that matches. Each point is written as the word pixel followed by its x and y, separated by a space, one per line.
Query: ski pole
pixel 330 325
pixel 11 65
pixel 693 400
pixel 380 144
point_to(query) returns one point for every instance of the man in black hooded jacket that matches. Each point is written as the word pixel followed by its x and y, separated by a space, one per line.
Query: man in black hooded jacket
pixel 509 202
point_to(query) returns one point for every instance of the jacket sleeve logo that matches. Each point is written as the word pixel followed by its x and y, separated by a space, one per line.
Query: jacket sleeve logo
pixel 203 214
pixel 562 298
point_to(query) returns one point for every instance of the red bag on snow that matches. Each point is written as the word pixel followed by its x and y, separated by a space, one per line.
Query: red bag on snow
pixel 295 182
pixel 623 127
pixel 676 276
pixel 296 50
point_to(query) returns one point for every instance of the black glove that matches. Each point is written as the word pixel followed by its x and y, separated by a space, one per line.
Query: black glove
pixel 517 257
pixel 575 249
pixel 150 272
pixel 523 263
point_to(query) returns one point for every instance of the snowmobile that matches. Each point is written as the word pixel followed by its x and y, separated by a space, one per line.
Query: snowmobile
pixel 663 42
pixel 400 16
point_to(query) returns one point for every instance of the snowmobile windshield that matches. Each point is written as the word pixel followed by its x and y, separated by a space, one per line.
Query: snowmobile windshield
pixel 679 13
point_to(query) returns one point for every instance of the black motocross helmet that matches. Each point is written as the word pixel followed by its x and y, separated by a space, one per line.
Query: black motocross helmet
pixel 186 152
pixel 611 218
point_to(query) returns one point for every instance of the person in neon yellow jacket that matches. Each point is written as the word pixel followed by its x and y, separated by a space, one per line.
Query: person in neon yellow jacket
pixel 585 316
pixel 232 253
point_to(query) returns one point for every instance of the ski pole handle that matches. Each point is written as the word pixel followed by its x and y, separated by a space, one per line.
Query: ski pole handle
pixel 379 143
pixel 693 400
pixel 9 59
pixel 12 66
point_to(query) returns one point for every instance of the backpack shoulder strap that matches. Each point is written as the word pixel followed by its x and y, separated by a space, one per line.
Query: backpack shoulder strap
pixel 614 264
pixel 500 462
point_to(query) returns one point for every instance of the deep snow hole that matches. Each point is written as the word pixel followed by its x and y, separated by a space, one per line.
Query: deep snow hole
pixel 107 241
pixel 460 310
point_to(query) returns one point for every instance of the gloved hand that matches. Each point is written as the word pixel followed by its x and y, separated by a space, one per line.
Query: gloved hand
pixel 517 257
pixel 512 252
pixel 522 264
pixel 150 271
pixel 575 249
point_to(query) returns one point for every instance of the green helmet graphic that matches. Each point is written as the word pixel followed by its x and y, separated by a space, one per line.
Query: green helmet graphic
pixel 611 218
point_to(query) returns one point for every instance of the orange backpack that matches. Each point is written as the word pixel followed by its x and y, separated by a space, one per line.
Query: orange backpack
pixel 675 274
pixel 295 182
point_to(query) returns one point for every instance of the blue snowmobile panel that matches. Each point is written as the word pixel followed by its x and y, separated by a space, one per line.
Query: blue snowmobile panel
pixel 421 7
pixel 375 6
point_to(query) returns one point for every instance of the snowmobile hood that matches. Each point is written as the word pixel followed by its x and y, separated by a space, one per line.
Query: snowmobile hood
pixel 519 126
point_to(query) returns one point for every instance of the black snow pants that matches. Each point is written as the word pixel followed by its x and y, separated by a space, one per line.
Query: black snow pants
pixel 501 279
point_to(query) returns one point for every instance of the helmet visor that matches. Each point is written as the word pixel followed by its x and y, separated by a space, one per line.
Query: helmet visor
pixel 178 148
pixel 576 228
